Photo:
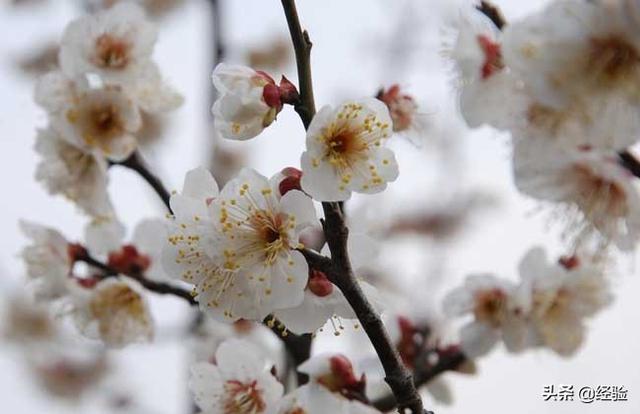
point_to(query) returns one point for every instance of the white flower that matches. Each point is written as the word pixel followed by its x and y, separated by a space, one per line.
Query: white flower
pixel 101 119
pixel 48 261
pixel 79 175
pixel 114 311
pixel 249 101
pixel 403 110
pixel 497 310
pixel 115 44
pixel 488 92
pixel 323 300
pixel 562 296
pixel 597 192
pixel 345 151
pixel 333 388
pixel 238 248
pixel 145 250
pixel 582 58
pixel 239 382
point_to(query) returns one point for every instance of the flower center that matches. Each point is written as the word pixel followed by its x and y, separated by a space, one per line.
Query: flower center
pixel 99 123
pixel 492 56
pixel 243 398
pixel 490 306
pixel 111 52
pixel 612 60
pixel 597 195
pixel 343 147
pixel 271 234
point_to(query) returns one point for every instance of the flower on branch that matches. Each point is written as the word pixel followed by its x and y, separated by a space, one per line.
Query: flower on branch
pixel 77 174
pixel 114 311
pixel 238 248
pixel 597 195
pixel 249 100
pixel 345 151
pixel 48 259
pixel 238 382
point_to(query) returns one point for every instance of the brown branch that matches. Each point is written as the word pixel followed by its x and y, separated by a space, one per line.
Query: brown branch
pixel 137 164
pixel 340 272
pixel 446 362
pixel 298 346
pixel 302 46
pixel 630 162
pixel 151 285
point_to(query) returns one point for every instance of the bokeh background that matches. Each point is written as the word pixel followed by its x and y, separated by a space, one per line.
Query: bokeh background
pixel 459 178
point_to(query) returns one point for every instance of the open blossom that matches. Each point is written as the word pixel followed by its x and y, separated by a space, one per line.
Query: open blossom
pixel 114 311
pixel 101 119
pixel 116 44
pixel 79 175
pixel 48 260
pixel 249 100
pixel 238 248
pixel 239 382
pixel 323 301
pixel 581 65
pixel 498 313
pixel 489 94
pixel 563 295
pixel 345 151
pixel 333 388
pixel 598 194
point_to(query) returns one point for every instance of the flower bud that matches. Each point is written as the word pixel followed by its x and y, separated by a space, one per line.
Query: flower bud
pixel 288 92
pixel 319 284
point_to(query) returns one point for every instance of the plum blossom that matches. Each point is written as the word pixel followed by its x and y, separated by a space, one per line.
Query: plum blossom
pixel 498 312
pixel 598 195
pixel 345 151
pixel 79 175
pixel 404 112
pixel 115 44
pixel 249 100
pixel 333 388
pixel 485 82
pixel 114 311
pixel 581 65
pixel 102 119
pixel 239 382
pixel 48 259
pixel 238 248
pixel 563 295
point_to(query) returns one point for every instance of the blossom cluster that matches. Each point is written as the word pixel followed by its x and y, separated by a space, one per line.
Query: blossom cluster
pixel 564 83
pixel 95 100
pixel 240 381
pixel 548 308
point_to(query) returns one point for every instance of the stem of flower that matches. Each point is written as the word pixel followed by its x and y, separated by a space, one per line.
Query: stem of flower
pixel 136 163
pixel 340 272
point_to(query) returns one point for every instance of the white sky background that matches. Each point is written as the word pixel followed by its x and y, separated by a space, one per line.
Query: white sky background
pixel 349 44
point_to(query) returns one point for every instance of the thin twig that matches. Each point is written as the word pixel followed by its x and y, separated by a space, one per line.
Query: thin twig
pixel 151 285
pixel 336 233
pixel 493 13
pixel 630 162
pixel 298 346
pixel 137 164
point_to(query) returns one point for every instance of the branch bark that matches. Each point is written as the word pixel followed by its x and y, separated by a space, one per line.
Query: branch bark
pixel 136 163
pixel 340 272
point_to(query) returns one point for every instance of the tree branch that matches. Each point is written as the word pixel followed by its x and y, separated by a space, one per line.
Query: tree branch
pixel 493 13
pixel 302 46
pixel 151 285
pixel 446 362
pixel 137 164
pixel 340 272
pixel 630 162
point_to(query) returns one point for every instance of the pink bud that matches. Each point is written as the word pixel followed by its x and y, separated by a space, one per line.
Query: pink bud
pixel 288 92
pixel 128 260
pixel 271 96
pixel 319 284
pixel 569 262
